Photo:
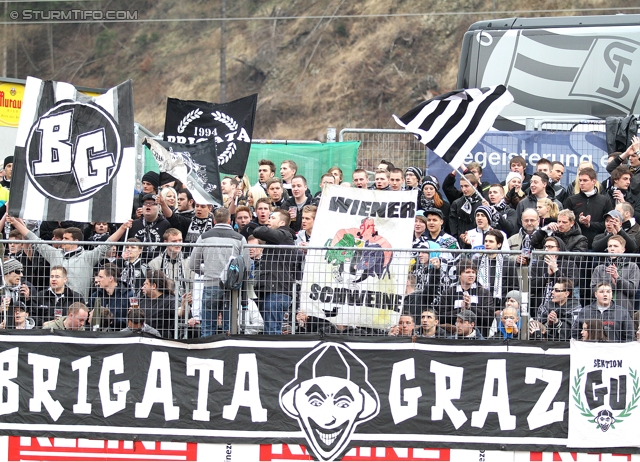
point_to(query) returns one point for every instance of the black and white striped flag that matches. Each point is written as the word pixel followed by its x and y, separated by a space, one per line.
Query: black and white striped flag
pixel 75 154
pixel 453 123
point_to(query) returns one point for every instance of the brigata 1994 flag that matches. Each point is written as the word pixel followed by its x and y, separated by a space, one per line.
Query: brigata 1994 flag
pixel 453 123
pixel 229 124
pixel 75 154
pixel 359 287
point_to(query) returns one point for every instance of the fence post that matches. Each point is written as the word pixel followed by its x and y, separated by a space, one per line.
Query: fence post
pixel 233 328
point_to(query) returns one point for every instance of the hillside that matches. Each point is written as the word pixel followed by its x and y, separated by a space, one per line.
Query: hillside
pixel 310 73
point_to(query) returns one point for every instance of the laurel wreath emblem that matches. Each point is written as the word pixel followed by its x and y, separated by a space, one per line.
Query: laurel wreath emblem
pixel 586 412
pixel 226 155
pixel 186 120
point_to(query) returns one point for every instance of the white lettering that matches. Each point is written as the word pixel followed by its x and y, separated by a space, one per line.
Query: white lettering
pixel 496 370
pixel 154 394
pixel 8 372
pixel 92 162
pixel 113 363
pixel 445 395
pixel 539 416
pixel 42 387
pixel 204 366
pixel 399 411
pixel 247 369
pixel 244 136
pixel 55 149
pixel 494 158
pixel 82 365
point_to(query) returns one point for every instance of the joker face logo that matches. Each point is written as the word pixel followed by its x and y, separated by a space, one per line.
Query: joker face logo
pixel 330 396
pixel 605 419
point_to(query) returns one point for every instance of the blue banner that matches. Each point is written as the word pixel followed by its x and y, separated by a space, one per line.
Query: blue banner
pixel 495 150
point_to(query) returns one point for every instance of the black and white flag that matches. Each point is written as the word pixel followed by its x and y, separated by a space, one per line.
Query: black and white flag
pixel 229 124
pixel 193 164
pixel 453 123
pixel 75 154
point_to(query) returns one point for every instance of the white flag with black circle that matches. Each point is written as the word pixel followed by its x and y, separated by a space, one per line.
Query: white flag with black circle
pixel 75 155
pixel 452 124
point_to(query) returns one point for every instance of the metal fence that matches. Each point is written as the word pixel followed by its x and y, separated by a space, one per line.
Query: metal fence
pixel 399 147
pixel 445 293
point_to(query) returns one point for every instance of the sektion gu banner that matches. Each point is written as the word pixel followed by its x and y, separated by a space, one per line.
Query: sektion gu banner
pixel 605 394
pixel 328 395
pixel 75 154
pixel 364 286
pixel 229 124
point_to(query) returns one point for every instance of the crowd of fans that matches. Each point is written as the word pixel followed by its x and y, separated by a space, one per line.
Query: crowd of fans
pixel 552 289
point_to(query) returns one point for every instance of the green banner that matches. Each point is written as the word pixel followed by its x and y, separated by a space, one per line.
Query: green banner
pixel 313 160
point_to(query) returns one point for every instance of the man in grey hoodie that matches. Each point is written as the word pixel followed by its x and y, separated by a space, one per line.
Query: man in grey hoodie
pixel 223 243
pixel 74 258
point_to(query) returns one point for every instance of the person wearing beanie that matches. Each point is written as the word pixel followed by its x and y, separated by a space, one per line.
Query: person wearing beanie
pixel 8 172
pixel 412 178
pixel 150 182
pixel 167 180
pixel 507 324
pixel 150 185
pixel 513 189
pixel 15 289
pixel 486 218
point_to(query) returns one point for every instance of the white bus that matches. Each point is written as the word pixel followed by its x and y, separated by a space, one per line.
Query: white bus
pixel 562 68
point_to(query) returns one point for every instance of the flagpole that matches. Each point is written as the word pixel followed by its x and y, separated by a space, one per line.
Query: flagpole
pixel 474 188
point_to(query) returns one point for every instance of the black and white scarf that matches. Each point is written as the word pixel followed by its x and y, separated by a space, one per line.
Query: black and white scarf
pixel 199 226
pixel 174 269
pixel 73 253
pixel 129 277
pixel 484 274
pixel 426 204
pixel 100 236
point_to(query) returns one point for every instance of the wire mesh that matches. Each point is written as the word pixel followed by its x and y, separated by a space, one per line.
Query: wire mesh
pixel 302 290
pixel 399 147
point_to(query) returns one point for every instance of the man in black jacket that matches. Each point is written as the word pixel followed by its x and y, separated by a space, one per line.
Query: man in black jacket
pixel 150 227
pixel 588 205
pixel 296 203
pixel 279 269
pixel 54 301
pixel 462 214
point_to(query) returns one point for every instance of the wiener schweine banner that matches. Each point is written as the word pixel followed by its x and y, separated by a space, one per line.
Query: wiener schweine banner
pixel 75 154
pixel 328 395
pixel 229 124
pixel 362 286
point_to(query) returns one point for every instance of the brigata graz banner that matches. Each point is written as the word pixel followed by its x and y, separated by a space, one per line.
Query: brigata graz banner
pixel 326 394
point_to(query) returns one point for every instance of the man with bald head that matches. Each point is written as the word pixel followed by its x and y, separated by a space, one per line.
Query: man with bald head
pixel 522 241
